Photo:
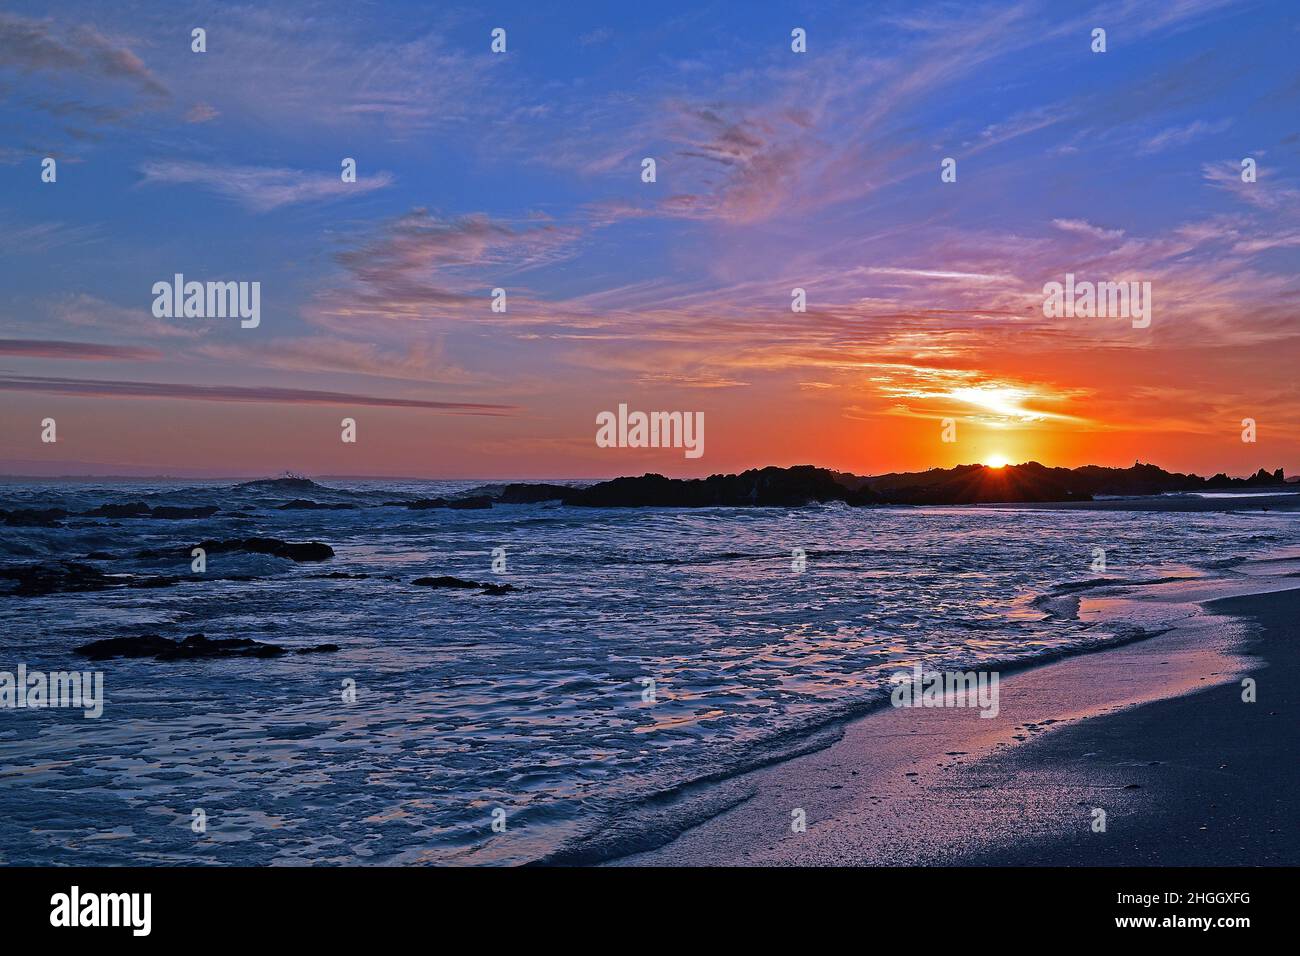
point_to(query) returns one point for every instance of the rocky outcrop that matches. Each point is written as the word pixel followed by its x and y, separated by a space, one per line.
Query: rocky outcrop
pixel 194 646
pixel 139 509
pixel 61 577
pixel 33 517
pixel 302 504
pixel 978 484
pixel 471 502
pixel 758 487
pixel 528 494
pixel 294 551
pixel 446 581
pixel 285 483
pixel 183 514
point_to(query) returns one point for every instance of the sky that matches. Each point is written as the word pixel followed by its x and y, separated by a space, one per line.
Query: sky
pixel 523 170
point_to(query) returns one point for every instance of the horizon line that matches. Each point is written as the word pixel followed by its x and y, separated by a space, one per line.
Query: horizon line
pixel 406 477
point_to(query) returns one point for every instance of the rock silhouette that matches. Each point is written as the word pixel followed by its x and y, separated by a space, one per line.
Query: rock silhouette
pixel 194 646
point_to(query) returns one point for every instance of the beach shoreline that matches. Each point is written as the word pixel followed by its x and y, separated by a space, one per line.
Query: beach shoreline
pixel 1153 733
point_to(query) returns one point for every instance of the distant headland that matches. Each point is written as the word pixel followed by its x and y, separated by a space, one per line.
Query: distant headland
pixel 804 484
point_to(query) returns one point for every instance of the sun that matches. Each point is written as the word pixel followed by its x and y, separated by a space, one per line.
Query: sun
pixel 996 461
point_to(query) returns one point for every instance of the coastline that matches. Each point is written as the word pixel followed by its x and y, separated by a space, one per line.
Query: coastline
pixel 675 800
pixel 1287 501
pixel 1153 732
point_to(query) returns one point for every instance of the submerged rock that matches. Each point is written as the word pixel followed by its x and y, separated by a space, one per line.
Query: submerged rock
pixel 473 502
pixel 36 580
pixel 294 551
pixel 194 646
pixel 422 504
pixel 458 504
pixel 33 517
pixel 174 514
pixel 147 645
pixel 521 493
pixel 302 504
pixel 139 509
pixel 446 581
pixel 135 509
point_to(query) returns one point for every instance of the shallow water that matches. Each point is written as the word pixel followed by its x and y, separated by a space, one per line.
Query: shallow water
pixel 530 701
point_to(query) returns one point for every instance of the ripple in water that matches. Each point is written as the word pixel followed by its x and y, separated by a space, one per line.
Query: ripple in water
pixel 530 701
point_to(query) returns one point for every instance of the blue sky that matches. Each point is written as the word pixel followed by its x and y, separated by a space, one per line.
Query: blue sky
pixel 521 170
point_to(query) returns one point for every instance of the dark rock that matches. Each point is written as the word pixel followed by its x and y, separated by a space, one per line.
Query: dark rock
pixel 140 510
pixel 194 646
pixel 461 584
pixel 964 484
pixel 294 551
pixel 136 509
pixel 286 483
pixel 302 504
pixel 445 581
pixel 33 518
pixel 147 645
pixel 174 514
pixel 305 551
pixel 474 502
pixel 530 494
pixel 972 484
pixel 423 504
pixel 471 502
pixel 35 580
pixel 758 487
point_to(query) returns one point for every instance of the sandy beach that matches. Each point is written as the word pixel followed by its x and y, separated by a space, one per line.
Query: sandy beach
pixel 1154 733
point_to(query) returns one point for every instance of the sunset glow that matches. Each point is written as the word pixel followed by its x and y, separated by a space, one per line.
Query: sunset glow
pixel 669 436
pixel 818 172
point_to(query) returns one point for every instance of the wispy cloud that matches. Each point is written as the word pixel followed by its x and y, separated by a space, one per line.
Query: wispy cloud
pixel 596 36
pixel 421 361
pixel 45 236
pixel 83 310
pixel 1082 227
pixel 262 189
pixel 1182 135
pixel 201 113
pixel 279 65
pixel 85 351
pixel 234 393
pixel 422 266
pixel 32 46
pixel 1267 192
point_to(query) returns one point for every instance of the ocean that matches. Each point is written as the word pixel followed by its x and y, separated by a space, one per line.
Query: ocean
pixel 529 709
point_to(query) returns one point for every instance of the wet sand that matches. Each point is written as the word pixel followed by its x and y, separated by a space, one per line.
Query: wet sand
pixel 1154 733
